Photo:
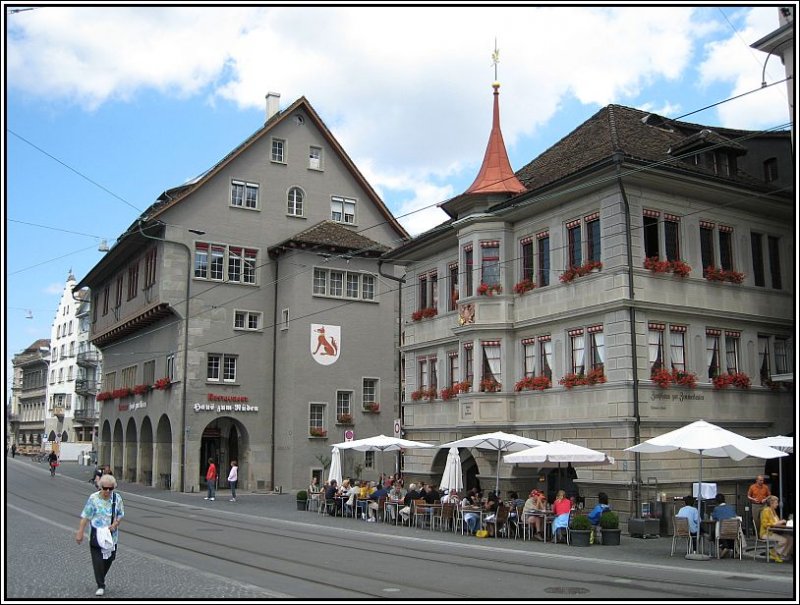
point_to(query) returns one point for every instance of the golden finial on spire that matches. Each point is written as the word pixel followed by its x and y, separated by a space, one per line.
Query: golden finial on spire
pixel 495 59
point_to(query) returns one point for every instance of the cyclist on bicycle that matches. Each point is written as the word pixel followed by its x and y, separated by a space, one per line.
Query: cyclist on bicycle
pixel 53 460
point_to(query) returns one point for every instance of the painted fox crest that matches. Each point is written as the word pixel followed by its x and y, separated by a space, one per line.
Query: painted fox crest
pixel 325 343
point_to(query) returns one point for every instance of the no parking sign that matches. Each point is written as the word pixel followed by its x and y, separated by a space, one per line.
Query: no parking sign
pixel 349 435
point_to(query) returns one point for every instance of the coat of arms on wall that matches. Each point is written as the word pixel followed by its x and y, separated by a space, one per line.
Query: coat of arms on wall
pixel 466 314
pixel 326 343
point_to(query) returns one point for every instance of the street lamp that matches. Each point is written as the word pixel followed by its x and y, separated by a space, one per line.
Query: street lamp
pixel 184 377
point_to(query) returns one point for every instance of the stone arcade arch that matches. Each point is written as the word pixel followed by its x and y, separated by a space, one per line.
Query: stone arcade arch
pixel 104 446
pixel 163 455
pixel 146 452
pixel 117 461
pixel 225 439
pixel 469 468
pixel 131 450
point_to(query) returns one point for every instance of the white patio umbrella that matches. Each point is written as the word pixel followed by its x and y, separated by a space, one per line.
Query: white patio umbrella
pixel 783 444
pixel 703 438
pixel 380 443
pixel 452 479
pixel 498 442
pixel 556 452
pixel 336 467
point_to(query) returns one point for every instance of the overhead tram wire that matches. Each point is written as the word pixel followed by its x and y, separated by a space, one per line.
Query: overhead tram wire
pixel 413 286
pixel 433 204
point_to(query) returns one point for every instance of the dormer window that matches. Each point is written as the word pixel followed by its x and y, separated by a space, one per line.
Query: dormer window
pixel 771 170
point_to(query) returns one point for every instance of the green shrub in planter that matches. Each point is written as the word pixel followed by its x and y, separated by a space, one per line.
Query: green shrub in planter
pixel 609 520
pixel 580 523
pixel 302 499
pixel 609 523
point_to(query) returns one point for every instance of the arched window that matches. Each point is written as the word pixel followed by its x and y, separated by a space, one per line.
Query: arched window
pixel 295 201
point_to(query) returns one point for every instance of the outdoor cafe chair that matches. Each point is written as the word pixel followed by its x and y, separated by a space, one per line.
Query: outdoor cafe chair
pixel 682 531
pixel 729 529
pixel 419 510
pixel 500 520
pixel 764 540
pixel 555 527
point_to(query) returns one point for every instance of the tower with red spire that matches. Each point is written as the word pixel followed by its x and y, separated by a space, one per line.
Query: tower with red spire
pixel 496 181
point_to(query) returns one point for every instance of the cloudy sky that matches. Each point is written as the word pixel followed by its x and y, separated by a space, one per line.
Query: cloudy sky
pixel 108 107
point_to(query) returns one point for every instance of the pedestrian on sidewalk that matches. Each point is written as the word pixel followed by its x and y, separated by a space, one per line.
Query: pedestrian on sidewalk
pixel 102 512
pixel 211 479
pixel 13 450
pixel 233 479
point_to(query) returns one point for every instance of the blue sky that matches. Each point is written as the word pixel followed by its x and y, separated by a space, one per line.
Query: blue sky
pixel 108 107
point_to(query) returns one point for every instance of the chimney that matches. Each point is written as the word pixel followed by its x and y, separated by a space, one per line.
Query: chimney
pixel 273 101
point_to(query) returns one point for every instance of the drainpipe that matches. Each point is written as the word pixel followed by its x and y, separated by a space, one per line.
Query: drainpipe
pixel 400 280
pixel 274 375
pixel 618 159
pixel 185 370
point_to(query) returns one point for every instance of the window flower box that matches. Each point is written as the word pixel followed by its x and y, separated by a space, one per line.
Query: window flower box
pixel 572 272
pixel 526 285
pixel 425 313
pixel 684 379
pixel 489 289
pixel 662 377
pixel 715 274
pixel 429 394
pixel 344 419
pixel 595 376
pixel 490 385
pixel 677 267
pixel 141 389
pixel 104 396
pixel 448 393
pixel 317 432
pixel 162 384
pixel 533 383
pixel 120 393
pixel 738 379
pixel 374 407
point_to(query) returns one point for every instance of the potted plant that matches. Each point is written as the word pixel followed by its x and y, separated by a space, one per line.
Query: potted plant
pixel 662 377
pixel 344 419
pixel 580 530
pixel 302 499
pixel 609 524
pixel 524 286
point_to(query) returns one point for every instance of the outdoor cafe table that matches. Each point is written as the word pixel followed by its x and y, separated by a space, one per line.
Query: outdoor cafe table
pixel 547 522
pixel 395 504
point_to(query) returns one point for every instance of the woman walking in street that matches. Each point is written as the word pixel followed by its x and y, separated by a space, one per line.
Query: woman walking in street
pixel 102 512
pixel 53 460
pixel 233 479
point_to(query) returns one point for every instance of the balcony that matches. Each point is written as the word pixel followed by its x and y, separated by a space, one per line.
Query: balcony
pixel 85 386
pixel 89 415
pixel 88 358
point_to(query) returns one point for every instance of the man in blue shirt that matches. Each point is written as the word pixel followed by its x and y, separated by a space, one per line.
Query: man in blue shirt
pixel 723 511
pixel 690 513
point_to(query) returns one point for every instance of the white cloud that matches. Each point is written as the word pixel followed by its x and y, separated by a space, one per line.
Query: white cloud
pixel 732 61
pixel 405 90
pixel 54 288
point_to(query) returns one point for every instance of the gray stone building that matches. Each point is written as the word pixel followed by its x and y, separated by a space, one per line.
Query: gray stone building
pixel 29 396
pixel 629 280
pixel 245 316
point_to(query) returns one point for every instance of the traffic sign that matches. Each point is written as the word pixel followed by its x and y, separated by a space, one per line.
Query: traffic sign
pixel 349 435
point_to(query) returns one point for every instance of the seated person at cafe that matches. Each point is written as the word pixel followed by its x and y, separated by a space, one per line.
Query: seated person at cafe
pixel 332 502
pixel 410 496
pixel 770 519
pixel 374 503
pixel 535 502
pixel 689 512
pixel 561 508
pixel 723 511
pixel 471 518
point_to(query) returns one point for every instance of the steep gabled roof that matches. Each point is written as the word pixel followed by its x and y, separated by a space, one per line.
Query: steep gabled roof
pixel 175 195
pixel 329 236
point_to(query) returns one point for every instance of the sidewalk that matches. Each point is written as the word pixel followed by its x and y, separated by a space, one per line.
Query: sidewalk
pixel 652 551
